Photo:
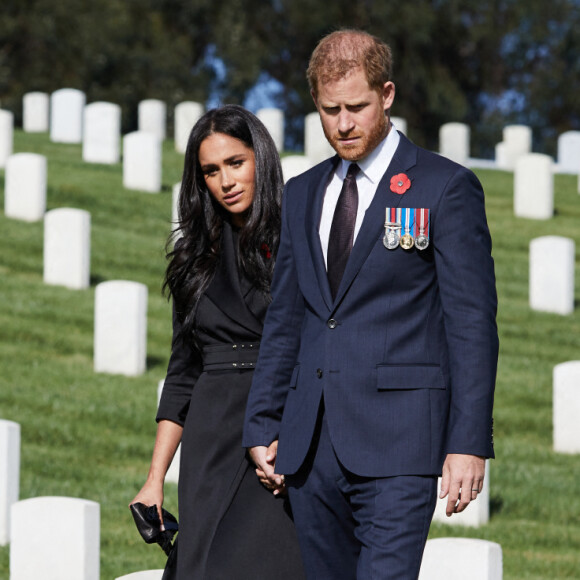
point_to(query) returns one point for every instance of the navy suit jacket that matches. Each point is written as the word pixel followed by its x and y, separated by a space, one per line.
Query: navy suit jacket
pixel 405 356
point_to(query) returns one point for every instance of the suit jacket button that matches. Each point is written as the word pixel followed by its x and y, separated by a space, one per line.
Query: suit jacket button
pixel 319 373
pixel 332 323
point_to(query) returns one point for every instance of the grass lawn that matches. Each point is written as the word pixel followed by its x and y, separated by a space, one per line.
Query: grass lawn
pixel 90 435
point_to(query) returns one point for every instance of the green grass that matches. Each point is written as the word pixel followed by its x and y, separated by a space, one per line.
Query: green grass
pixel 90 435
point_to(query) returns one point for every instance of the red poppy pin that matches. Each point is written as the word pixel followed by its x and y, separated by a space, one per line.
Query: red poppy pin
pixel 400 183
pixel 266 251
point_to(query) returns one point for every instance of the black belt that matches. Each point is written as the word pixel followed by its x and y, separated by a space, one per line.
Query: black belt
pixel 230 356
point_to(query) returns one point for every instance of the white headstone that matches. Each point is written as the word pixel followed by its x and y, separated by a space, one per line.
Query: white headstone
pixel 6 136
pixel 142 161
pixel 293 165
pixel 175 190
pixel 35 108
pixel 534 187
pixel 461 559
pixel 400 124
pixel 102 133
pixel 501 155
pixel 25 187
pixel 172 475
pixel 144 575
pixel 569 152
pixel 120 327
pixel 55 538
pixel 566 407
pixel 67 248
pixel 186 116
pixel 273 120
pixel 316 147
pixel 66 116
pixel 518 142
pixel 152 114
pixel 552 274
pixel 477 512
pixel 454 142
pixel 9 474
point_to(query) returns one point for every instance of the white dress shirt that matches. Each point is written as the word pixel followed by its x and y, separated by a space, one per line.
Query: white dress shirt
pixel 372 169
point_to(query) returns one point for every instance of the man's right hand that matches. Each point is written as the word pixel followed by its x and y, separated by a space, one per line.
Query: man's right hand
pixel 265 460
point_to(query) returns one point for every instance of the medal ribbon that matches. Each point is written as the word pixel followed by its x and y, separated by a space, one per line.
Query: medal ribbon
pixel 422 223
pixel 408 220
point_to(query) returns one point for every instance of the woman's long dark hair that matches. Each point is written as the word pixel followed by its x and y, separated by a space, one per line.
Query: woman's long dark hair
pixel 193 260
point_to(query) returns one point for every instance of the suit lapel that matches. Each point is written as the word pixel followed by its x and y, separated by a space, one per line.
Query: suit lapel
pixel 313 213
pixel 404 159
pixel 225 289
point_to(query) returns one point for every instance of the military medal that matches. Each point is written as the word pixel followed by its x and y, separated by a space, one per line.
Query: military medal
pixel 392 228
pixel 407 241
pixel 422 240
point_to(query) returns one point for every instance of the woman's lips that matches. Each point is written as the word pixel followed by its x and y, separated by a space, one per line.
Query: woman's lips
pixel 232 198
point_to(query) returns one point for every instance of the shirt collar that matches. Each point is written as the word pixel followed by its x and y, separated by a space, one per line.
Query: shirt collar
pixel 376 163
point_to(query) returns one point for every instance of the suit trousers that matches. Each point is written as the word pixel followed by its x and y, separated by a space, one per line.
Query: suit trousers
pixel 351 527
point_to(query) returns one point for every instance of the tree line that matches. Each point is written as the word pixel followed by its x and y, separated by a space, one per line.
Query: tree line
pixel 487 63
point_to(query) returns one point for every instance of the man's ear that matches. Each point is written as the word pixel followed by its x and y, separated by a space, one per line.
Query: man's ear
pixel 388 95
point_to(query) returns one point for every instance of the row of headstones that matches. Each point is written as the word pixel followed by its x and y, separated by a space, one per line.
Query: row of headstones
pixel 454 143
pixel 70 119
pixel 66 125
pixel 67 116
pixel 58 538
pixel 533 172
pixel 142 151
pixel 26 175
pixel 26 178
pixel 142 155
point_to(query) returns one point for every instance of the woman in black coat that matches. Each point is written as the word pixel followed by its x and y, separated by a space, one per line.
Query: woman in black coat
pixel 230 525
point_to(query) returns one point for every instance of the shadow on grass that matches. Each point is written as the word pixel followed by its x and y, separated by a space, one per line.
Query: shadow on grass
pixel 154 361
pixel 495 505
pixel 96 279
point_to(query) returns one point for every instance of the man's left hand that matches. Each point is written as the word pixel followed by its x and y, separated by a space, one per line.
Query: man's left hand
pixel 462 481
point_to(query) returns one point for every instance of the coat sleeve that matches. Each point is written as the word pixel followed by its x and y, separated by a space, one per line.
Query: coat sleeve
pixel 183 370
pixel 279 345
pixel 466 279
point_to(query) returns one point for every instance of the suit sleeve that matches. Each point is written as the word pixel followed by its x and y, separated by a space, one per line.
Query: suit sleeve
pixel 183 370
pixel 279 345
pixel 466 279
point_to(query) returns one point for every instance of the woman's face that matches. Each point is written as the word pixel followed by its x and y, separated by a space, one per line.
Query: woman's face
pixel 228 167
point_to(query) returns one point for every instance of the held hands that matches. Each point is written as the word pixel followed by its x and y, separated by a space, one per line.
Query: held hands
pixel 265 460
pixel 462 481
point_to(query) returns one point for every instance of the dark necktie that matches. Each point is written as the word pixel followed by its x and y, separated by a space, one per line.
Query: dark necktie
pixel 342 229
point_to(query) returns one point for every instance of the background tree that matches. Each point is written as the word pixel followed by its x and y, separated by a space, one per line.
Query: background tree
pixel 484 62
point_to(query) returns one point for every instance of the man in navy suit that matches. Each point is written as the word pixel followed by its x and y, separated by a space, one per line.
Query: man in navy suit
pixel 378 360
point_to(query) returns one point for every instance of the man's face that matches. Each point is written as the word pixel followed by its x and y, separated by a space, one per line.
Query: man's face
pixel 353 115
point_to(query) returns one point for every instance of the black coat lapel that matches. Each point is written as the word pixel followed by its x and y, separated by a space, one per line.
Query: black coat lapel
pixel 404 159
pixel 225 289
